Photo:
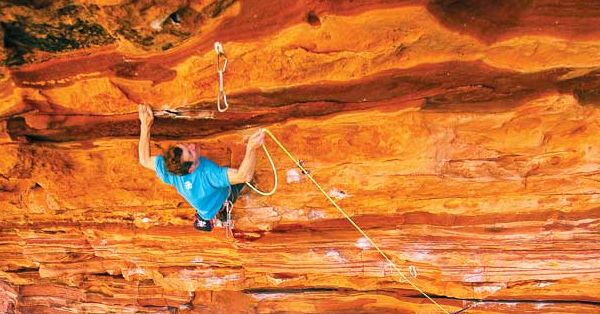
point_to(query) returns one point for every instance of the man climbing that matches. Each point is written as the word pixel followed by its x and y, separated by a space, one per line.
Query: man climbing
pixel 209 188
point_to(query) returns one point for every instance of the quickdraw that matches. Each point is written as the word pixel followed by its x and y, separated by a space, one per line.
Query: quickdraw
pixel 221 53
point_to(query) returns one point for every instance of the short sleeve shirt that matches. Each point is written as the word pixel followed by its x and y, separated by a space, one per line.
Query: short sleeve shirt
pixel 205 189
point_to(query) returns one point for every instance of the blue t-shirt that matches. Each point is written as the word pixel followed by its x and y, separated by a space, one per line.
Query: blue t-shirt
pixel 205 189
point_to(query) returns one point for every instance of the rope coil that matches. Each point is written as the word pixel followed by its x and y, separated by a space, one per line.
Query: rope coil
pixel 274 175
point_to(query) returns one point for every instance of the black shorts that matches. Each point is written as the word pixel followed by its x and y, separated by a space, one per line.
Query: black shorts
pixel 235 192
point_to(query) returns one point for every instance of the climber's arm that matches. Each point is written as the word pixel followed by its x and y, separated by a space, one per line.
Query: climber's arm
pixel 246 170
pixel 146 119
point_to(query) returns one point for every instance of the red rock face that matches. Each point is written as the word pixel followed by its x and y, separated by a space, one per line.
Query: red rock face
pixel 459 135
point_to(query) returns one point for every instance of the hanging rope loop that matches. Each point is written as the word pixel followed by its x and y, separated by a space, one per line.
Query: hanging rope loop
pixel 220 71
pixel 274 175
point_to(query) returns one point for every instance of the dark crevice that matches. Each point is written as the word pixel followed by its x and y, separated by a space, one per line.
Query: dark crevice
pixel 54 232
pixel 313 19
pixel 116 276
pixel 218 7
pixel 175 17
pixel 39 139
pixel 290 290
pixel 23 270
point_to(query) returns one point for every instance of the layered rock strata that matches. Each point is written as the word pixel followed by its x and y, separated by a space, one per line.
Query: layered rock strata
pixel 458 135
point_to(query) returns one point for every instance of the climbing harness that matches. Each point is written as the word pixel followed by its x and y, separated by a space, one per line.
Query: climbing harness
pixel 228 223
pixel 221 53
pixel 300 165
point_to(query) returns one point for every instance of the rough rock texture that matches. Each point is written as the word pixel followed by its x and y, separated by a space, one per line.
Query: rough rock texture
pixel 459 134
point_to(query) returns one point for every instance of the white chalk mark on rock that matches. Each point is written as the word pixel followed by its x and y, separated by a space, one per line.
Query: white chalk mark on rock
pixel 363 243
pixel 488 289
pixel 335 256
pixel 219 281
pixel 338 194
pixel 293 176
pixel 157 24
pixel 316 214
pixel 197 259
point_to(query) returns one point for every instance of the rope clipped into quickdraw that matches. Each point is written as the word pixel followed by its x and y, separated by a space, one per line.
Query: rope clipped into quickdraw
pixel 307 173
pixel 221 53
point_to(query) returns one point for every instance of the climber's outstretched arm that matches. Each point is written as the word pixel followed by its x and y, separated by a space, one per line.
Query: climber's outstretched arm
pixel 146 120
pixel 246 170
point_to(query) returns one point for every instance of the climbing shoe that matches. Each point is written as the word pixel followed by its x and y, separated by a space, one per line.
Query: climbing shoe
pixel 201 224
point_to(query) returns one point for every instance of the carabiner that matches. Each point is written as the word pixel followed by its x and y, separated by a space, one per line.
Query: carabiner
pixel 220 52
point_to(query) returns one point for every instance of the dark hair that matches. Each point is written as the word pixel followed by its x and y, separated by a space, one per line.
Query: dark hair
pixel 174 163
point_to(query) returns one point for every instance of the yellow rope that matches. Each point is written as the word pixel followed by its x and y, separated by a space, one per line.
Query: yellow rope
pixel 274 174
pixel 347 217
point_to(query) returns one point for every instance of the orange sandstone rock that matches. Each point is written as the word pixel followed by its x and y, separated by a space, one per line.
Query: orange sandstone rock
pixel 460 137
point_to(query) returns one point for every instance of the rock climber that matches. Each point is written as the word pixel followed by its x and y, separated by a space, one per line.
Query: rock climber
pixel 208 187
